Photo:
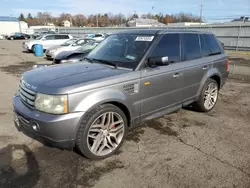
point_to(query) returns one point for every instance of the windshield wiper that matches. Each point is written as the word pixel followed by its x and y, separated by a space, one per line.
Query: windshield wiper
pixel 87 59
pixel 106 62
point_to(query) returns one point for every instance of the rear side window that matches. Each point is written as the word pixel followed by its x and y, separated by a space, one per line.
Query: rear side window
pixel 50 37
pixel 64 37
pixel 205 50
pixel 191 46
pixel 168 46
pixel 212 44
pixel 58 37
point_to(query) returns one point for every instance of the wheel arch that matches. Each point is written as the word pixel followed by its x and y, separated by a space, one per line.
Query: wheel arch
pixel 211 74
pixel 113 96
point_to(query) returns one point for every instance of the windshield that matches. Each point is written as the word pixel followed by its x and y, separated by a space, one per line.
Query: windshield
pixel 80 42
pixel 39 38
pixel 88 46
pixel 68 42
pixel 124 50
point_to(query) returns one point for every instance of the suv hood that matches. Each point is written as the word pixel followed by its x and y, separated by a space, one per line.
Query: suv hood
pixel 61 78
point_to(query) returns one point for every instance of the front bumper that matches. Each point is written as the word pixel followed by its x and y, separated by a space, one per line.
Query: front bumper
pixel 26 47
pixel 49 55
pixel 54 130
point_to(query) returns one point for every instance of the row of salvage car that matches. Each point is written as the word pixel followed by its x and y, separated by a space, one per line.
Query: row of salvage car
pixel 63 48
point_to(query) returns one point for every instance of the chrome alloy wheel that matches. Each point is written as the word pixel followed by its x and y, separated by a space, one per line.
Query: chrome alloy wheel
pixel 105 133
pixel 210 95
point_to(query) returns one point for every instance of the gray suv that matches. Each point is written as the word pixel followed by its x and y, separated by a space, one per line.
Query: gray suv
pixel 131 77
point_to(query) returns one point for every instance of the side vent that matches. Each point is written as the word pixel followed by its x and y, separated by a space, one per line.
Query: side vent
pixel 131 88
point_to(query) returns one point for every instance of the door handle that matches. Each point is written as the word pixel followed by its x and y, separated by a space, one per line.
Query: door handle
pixel 176 75
pixel 205 67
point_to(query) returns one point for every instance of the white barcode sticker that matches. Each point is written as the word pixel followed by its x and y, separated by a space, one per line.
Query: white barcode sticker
pixel 144 38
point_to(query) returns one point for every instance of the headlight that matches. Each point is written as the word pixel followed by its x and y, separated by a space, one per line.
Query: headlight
pixel 69 61
pixel 53 104
pixel 52 51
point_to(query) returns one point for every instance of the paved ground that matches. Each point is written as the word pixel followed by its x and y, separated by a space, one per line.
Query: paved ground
pixel 184 149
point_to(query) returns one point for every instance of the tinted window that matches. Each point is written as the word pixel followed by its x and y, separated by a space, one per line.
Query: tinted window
pixel 205 50
pixel 212 44
pixel 98 35
pixel 169 46
pixel 191 46
pixel 58 37
pixel 50 37
pixel 64 37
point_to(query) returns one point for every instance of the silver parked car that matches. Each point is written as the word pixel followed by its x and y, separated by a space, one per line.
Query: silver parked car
pixel 52 53
pixel 131 77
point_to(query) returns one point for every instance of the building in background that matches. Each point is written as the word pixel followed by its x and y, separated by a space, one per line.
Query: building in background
pixel 140 22
pixel 66 23
pixel 10 25
pixel 185 24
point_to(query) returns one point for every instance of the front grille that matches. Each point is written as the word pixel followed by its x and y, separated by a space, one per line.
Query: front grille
pixel 27 96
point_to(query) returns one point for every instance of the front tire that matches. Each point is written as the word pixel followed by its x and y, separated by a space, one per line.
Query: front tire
pixel 11 38
pixel 208 97
pixel 102 132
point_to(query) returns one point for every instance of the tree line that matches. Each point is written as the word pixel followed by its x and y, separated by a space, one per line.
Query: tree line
pixel 103 20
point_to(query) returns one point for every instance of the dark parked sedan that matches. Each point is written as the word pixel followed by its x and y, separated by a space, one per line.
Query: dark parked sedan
pixel 16 36
pixel 76 55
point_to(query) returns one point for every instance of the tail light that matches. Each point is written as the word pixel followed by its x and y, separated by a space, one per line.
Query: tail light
pixel 227 65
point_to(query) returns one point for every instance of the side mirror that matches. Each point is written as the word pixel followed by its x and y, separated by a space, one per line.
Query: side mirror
pixel 158 61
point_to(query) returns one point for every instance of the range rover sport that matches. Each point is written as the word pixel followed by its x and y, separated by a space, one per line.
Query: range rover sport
pixel 131 77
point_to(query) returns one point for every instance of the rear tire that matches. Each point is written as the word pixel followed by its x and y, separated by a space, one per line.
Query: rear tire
pixel 208 97
pixel 33 48
pixel 102 132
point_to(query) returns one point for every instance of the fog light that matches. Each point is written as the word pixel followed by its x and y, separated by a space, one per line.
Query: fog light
pixel 35 126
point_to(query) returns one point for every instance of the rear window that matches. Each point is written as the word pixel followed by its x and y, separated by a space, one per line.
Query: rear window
pixel 212 44
pixel 191 46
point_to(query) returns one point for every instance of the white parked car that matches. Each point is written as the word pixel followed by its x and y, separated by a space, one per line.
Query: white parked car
pixel 1 37
pixel 53 51
pixel 47 41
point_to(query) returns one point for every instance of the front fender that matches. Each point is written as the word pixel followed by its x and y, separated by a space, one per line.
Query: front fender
pixel 99 97
pixel 211 72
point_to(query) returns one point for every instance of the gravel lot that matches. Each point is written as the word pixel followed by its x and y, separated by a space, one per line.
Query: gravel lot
pixel 184 149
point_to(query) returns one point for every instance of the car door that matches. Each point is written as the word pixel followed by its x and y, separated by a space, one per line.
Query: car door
pixel 195 63
pixel 162 85
pixel 48 41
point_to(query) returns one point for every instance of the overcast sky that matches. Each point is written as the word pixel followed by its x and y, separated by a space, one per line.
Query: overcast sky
pixel 212 9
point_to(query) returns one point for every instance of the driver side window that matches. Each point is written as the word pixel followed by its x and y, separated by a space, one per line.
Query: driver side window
pixel 169 45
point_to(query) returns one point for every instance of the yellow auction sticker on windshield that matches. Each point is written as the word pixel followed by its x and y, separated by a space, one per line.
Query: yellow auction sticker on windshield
pixel 147 38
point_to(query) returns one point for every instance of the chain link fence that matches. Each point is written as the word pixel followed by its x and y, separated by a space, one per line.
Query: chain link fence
pixel 234 36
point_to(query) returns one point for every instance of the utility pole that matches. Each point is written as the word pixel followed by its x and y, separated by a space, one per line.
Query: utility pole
pixel 135 17
pixel 97 20
pixel 201 6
